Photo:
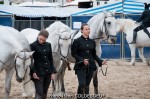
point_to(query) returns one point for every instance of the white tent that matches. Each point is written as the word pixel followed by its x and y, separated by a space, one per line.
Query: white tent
pixel 38 4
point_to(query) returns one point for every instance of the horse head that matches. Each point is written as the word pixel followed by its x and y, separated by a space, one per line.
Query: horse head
pixel 60 38
pixel 111 27
pixel 64 43
pixel 22 63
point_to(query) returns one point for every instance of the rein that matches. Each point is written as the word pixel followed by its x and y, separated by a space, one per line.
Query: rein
pixel 5 64
pixel 104 73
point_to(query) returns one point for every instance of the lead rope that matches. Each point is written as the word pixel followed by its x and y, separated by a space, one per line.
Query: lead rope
pixel 104 73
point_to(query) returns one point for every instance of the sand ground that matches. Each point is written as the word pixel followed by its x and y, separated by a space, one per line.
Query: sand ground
pixel 122 82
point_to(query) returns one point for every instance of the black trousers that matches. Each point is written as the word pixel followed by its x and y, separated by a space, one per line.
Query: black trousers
pixel 41 86
pixel 84 78
pixel 142 26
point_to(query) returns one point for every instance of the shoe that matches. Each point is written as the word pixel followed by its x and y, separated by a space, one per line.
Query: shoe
pixel 133 42
pixel 134 37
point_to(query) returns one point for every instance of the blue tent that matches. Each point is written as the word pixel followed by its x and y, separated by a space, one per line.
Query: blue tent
pixel 5 19
pixel 132 7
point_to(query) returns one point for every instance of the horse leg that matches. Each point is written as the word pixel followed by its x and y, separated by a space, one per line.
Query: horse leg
pixel 132 49
pixel 28 88
pixel 141 54
pixel 62 84
pixel 64 65
pixel 95 79
pixel 8 78
pixel 56 84
pixel 95 82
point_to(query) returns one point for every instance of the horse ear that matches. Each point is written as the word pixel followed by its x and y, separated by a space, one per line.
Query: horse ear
pixel 30 53
pixel 59 34
pixel 104 11
pixel 17 52
pixel 113 12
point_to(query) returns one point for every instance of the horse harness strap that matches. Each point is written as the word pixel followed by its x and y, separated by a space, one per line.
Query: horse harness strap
pixel 5 64
pixel 106 30
pixel 59 48
pixel 104 73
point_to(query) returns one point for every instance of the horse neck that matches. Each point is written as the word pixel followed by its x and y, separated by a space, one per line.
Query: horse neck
pixel 54 42
pixel 13 41
pixel 96 25
pixel 53 38
pixel 126 25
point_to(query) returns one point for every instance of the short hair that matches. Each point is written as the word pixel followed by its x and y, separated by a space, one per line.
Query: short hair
pixel 44 33
pixel 146 7
pixel 82 26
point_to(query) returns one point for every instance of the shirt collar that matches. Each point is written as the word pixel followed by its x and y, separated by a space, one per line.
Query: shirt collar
pixel 84 37
pixel 39 43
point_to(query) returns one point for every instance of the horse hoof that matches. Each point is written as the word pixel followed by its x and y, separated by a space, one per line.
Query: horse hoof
pixel 132 64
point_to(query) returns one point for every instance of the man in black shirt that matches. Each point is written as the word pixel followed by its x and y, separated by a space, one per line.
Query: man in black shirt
pixel 84 51
pixel 43 69
pixel 145 19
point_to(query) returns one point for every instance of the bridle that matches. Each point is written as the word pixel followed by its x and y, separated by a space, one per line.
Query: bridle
pixel 24 60
pixel 59 47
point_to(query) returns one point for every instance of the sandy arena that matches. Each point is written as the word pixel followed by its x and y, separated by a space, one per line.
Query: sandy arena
pixel 122 82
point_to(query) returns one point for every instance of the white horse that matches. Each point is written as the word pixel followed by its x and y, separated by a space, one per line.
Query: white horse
pixel 101 26
pixel 127 26
pixel 60 39
pixel 14 54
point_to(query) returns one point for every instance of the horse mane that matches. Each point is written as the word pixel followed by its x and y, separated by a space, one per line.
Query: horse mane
pixel 24 41
pixel 127 24
pixel 95 23
pixel 58 26
pixel 17 40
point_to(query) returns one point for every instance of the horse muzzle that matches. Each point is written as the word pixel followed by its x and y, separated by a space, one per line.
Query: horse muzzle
pixel 64 59
pixel 112 39
pixel 18 78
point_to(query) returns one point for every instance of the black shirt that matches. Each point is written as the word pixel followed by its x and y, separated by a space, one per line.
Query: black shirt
pixel 84 48
pixel 43 60
pixel 145 17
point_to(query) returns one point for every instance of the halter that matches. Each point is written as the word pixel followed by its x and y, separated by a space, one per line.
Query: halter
pixel 101 30
pixel 59 48
pixel 106 30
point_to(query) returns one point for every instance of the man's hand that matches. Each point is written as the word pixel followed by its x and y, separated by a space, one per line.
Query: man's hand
pixel 86 61
pixel 104 62
pixel 53 76
pixel 35 76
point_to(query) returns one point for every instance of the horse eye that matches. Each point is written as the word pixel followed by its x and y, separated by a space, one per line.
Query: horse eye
pixel 18 65
pixel 108 23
